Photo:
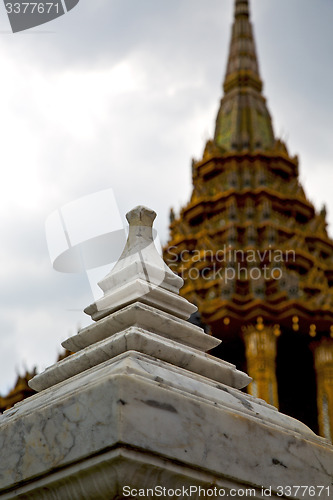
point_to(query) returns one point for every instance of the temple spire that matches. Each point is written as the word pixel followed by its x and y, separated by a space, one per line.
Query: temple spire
pixel 242 8
pixel 242 68
pixel 243 121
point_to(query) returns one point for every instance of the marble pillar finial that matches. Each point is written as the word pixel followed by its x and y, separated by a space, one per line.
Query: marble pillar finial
pixel 141 310
pixel 141 216
pixel 140 234
pixel 140 273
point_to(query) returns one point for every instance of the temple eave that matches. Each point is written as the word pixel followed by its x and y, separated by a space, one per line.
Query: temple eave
pixel 280 313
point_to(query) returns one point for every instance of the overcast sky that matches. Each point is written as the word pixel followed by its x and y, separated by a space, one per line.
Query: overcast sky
pixel 122 94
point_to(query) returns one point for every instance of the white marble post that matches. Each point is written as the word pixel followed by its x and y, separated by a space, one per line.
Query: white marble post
pixel 140 407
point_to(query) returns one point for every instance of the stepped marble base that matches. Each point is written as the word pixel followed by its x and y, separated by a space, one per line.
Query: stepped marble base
pixel 140 422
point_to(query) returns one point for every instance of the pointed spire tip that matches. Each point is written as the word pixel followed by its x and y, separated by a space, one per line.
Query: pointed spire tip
pixel 242 8
pixel 141 216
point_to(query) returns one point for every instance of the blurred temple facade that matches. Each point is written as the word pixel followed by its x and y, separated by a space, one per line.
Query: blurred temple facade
pixel 21 389
pixel 255 256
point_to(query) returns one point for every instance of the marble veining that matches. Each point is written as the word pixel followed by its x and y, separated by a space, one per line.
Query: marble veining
pixel 150 405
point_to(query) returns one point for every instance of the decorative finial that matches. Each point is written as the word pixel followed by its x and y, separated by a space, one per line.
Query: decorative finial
pixel 141 314
pixel 140 273
pixel 323 212
pixel 140 234
pixel 141 216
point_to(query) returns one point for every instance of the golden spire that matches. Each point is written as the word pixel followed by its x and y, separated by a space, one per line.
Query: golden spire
pixel 243 121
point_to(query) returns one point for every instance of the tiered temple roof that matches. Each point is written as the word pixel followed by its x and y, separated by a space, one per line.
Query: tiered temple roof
pixel 249 244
